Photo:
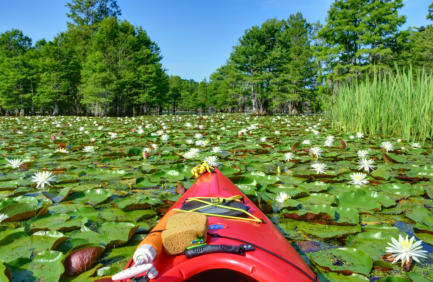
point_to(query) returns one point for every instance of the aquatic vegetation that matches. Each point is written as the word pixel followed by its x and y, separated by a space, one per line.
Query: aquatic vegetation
pixel 104 194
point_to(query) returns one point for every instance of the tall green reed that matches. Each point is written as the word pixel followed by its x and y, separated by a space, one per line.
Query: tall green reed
pixel 396 104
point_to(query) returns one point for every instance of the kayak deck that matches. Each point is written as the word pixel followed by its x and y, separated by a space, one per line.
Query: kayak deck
pixel 274 259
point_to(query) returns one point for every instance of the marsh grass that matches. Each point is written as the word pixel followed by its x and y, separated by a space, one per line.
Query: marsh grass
pixel 396 104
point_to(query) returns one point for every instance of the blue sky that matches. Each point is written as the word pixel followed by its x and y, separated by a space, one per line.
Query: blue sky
pixel 195 36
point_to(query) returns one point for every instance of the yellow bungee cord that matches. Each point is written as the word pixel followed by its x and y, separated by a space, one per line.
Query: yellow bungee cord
pixel 201 169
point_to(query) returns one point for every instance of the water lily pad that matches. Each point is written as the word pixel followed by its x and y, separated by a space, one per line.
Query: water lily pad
pixel 19 208
pixel 94 196
pixel 136 202
pixel 354 277
pixel 327 231
pixel 21 245
pixel 59 222
pixel 426 237
pixel 109 234
pixel 364 200
pixel 373 240
pixel 5 274
pixel 401 190
pixel 394 279
pixel 45 266
pixel 382 172
pixel 422 216
pixel 57 196
pixel 343 260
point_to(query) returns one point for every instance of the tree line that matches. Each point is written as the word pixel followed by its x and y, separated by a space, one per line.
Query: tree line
pixel 103 66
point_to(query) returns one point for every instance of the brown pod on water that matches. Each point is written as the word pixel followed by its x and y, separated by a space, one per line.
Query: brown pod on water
pixel 81 260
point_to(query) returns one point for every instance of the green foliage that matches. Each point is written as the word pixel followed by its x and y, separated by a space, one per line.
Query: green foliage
pixel 419 52
pixel 399 105
pixel 273 65
pixel 358 35
pixel 91 12
pixel 430 12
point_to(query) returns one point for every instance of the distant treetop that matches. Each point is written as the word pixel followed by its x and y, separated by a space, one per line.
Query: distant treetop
pixel 90 12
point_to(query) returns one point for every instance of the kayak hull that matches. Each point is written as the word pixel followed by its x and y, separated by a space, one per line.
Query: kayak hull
pixel 284 264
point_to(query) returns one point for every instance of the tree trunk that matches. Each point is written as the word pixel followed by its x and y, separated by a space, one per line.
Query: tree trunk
pixel 56 109
pixel 253 99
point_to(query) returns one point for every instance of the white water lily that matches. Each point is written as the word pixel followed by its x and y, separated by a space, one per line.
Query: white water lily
pixel 14 163
pixel 362 154
pixel 140 130
pixel 319 167
pixel 212 161
pixel 3 217
pixel 198 136
pixel 366 164
pixel 216 150
pixel 192 153
pixel 263 139
pixel 330 137
pixel 89 149
pixel 43 178
pixel 112 135
pixel 288 156
pixel 61 150
pixel 416 145
pixel 277 132
pixel 359 135
pixel 306 142
pixel 358 178
pixel 242 132
pixel 189 141
pixel 404 249
pixel 201 143
pixel 387 146
pixel 315 151
pixel 147 150
pixel 328 143
pixel 165 137
pixel 281 197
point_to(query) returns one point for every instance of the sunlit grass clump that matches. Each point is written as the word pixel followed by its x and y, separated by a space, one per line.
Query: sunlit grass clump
pixel 398 104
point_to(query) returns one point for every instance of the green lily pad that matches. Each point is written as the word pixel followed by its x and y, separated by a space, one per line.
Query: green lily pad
pixel 45 266
pixel 136 202
pixel 5 274
pixel 426 237
pixel 57 196
pixel 394 279
pixel 94 196
pixel 325 231
pixel 354 277
pixel 382 172
pixel 373 240
pixel 19 208
pixel 364 200
pixel 59 222
pixel 343 260
pixel 21 245
pixel 422 216
pixel 109 234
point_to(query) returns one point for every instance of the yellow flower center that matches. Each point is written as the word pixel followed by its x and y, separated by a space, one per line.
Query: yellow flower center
pixel 405 244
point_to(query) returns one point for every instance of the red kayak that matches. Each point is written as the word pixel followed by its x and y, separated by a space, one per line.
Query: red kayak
pixel 236 250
